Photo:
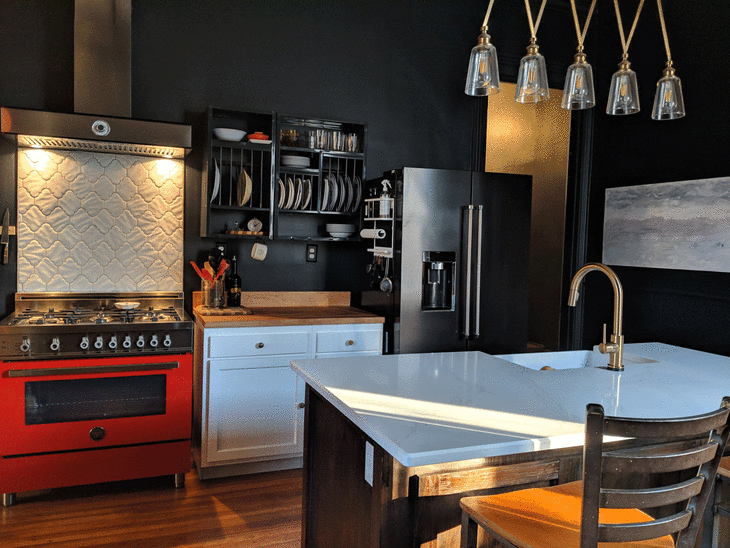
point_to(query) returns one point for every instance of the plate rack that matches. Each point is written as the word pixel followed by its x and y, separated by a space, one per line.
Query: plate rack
pixel 311 173
pixel 237 185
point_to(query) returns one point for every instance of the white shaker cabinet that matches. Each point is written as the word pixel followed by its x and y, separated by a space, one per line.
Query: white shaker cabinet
pixel 249 404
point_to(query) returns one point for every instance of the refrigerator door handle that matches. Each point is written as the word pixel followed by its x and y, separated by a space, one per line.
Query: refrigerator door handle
pixel 468 257
pixel 478 277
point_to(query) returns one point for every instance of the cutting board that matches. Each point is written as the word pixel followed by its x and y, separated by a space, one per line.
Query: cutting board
pixel 230 311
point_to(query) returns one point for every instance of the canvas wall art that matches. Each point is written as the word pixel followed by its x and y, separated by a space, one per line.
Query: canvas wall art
pixel 683 225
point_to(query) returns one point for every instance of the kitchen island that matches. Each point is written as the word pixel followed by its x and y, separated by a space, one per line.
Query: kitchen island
pixel 393 442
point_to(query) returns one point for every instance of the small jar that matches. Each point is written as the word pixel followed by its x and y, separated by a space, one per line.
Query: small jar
pixel 213 293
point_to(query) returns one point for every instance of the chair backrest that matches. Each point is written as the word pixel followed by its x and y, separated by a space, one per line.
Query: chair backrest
pixel 675 461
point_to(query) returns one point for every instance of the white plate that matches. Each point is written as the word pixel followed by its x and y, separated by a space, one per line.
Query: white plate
pixel 295 161
pixel 126 305
pixel 350 194
pixel 343 193
pixel 282 193
pixel 325 194
pixel 334 191
pixel 358 192
pixel 307 193
pixel 216 182
pixel 298 198
pixel 289 193
pixel 260 141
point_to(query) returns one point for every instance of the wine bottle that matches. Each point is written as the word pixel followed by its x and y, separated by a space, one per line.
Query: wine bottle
pixel 233 286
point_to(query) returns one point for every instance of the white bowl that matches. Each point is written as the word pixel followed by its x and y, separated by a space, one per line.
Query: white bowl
pixel 340 231
pixel 228 134
pixel 126 305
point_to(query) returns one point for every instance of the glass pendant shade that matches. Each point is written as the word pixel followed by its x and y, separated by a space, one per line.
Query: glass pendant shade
pixel 623 97
pixel 483 75
pixel 578 93
pixel 668 101
pixel 532 82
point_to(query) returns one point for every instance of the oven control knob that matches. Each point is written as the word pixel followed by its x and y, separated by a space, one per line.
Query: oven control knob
pixel 140 341
pixel 25 346
pixel 113 342
pixel 167 341
pixel 99 343
pixel 127 342
pixel 97 433
pixel 55 344
pixel 84 343
pixel 153 341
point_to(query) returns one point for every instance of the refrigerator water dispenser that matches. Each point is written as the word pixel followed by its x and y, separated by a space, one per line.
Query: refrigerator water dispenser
pixel 439 270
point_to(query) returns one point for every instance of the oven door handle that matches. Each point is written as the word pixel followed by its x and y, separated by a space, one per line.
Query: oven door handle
pixel 94 370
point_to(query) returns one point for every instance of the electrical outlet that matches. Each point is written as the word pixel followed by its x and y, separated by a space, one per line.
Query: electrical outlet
pixel 311 253
pixel 223 246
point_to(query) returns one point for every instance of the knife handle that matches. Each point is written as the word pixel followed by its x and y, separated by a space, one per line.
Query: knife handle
pixel 5 253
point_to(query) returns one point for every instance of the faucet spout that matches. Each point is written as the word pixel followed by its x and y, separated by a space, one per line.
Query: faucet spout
pixel 616 347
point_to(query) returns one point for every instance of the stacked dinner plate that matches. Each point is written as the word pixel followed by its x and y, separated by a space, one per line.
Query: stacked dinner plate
pixel 294 161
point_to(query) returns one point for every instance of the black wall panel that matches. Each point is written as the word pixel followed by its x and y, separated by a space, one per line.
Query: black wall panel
pixel 687 308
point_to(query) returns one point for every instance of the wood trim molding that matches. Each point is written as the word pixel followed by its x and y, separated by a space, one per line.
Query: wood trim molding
pixel 450 483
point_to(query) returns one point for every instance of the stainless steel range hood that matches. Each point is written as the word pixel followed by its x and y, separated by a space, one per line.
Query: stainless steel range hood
pixel 102 95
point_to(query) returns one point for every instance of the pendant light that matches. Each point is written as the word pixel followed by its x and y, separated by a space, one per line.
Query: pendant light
pixel 483 75
pixel 668 100
pixel 532 82
pixel 578 93
pixel 623 97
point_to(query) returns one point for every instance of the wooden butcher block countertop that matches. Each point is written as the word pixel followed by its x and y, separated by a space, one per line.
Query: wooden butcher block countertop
pixel 272 308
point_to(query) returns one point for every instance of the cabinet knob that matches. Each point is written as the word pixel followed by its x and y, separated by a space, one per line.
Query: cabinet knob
pixel 301 405
pixel 259 345
pixel 350 342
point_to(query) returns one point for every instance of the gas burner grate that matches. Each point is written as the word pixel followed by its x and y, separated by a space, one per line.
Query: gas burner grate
pixel 86 316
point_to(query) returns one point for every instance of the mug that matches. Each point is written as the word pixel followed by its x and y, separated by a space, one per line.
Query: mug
pixel 258 251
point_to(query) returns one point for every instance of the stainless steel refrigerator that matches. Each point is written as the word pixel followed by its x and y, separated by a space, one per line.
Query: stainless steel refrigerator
pixel 460 245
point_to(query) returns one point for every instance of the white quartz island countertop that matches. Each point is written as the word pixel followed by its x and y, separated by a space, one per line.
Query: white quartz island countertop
pixel 442 407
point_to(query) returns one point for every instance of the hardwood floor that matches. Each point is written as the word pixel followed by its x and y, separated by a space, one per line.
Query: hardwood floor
pixel 255 511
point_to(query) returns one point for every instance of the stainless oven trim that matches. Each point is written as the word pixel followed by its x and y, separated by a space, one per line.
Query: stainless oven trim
pixel 58 371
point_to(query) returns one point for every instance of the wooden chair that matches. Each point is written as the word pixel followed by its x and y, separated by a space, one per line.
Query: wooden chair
pixel 671 469
pixel 721 509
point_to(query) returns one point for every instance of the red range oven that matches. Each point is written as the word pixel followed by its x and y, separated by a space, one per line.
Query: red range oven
pixel 79 406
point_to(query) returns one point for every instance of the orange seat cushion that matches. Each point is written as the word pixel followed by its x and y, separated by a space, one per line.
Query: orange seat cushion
pixel 549 517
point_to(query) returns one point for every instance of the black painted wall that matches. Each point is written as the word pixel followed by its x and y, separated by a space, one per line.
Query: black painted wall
pixel 398 65
pixel 685 308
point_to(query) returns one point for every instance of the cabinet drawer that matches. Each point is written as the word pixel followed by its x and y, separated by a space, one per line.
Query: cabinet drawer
pixel 259 343
pixel 349 340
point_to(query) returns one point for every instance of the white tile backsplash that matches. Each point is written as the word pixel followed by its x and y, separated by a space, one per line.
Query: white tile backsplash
pixel 99 222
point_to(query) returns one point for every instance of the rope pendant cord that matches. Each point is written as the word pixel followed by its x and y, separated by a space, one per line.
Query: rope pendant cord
pixel 489 11
pixel 625 43
pixel 582 35
pixel 534 25
pixel 664 32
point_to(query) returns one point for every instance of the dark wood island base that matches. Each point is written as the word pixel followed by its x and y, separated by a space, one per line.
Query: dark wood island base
pixel 405 506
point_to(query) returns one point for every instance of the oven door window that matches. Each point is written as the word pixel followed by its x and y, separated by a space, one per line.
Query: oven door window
pixel 72 400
